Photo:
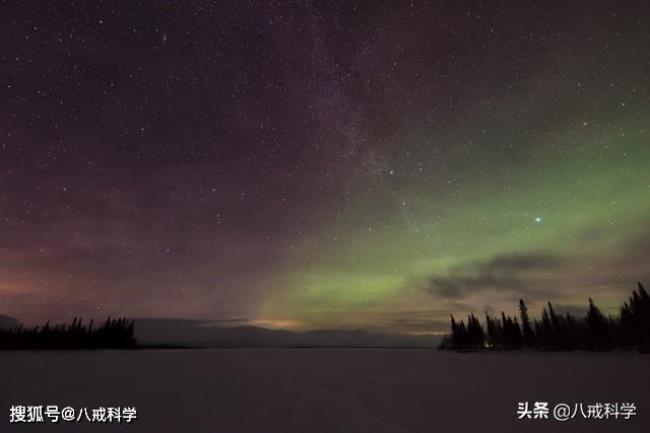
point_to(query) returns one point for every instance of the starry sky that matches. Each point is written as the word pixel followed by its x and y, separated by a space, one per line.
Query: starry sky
pixel 330 164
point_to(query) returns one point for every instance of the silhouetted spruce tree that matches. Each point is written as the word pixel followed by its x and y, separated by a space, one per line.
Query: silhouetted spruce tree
pixel 512 332
pixel 597 326
pixel 634 329
pixel 553 331
pixel 113 334
pixel 572 330
pixel 644 318
pixel 492 336
pixel 627 328
pixel 462 335
pixel 517 337
pixel 561 337
pixel 526 328
pixel 545 332
pixel 458 338
pixel 500 333
pixel 475 333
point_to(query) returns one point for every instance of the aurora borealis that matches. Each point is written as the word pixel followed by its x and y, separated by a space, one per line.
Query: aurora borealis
pixel 372 165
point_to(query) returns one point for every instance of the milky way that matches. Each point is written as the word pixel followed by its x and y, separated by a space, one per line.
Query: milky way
pixel 372 165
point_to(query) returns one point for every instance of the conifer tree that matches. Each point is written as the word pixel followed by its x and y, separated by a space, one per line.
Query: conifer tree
pixel 526 328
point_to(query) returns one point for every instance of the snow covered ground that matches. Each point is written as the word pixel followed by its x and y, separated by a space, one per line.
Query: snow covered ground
pixel 323 390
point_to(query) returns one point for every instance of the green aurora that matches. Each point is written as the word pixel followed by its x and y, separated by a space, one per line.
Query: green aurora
pixel 374 165
pixel 585 202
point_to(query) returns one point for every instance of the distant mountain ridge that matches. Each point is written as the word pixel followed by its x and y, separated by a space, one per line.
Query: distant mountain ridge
pixel 8 321
pixel 196 333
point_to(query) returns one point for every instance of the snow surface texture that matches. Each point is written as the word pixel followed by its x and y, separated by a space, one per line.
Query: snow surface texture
pixel 323 390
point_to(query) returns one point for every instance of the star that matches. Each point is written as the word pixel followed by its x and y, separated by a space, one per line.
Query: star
pixel 365 170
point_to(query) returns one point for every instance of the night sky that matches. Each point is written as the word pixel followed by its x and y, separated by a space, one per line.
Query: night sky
pixel 371 165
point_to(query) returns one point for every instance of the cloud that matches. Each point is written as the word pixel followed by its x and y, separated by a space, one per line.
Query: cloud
pixel 506 272
pixel 524 262
pixel 574 310
pixel 456 286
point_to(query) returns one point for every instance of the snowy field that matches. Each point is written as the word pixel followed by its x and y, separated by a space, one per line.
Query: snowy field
pixel 323 391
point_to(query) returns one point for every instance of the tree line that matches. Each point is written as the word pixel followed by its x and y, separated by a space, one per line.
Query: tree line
pixel 555 331
pixel 112 334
